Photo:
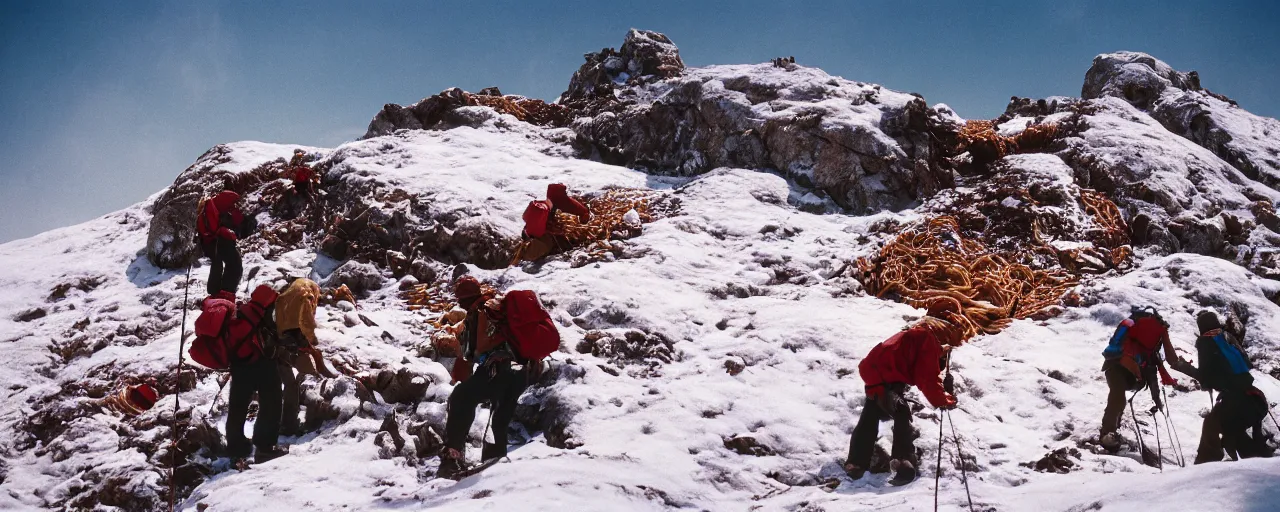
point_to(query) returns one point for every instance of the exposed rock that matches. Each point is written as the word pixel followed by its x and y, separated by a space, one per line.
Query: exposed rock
pixel 747 445
pixel 452 108
pixel 1137 77
pixel 644 55
pixel 402 386
pixel 1246 141
pixel 823 132
pixel 31 314
pixel 1057 461
pixel 361 278
pixel 171 238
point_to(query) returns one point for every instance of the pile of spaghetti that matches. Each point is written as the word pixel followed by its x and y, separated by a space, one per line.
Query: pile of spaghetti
pixel 933 261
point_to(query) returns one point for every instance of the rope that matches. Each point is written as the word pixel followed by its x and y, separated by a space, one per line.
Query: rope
pixel 177 391
pixel 964 474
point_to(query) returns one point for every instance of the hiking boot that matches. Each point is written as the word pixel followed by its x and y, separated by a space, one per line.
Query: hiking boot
pixel 451 463
pixel 906 472
pixel 1110 441
pixel 492 451
pixel 854 471
pixel 269 453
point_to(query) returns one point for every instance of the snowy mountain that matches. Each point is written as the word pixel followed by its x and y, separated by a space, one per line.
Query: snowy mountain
pixel 710 355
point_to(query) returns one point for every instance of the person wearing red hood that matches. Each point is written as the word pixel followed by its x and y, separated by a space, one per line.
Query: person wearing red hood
pixel 913 357
pixel 539 216
pixel 219 223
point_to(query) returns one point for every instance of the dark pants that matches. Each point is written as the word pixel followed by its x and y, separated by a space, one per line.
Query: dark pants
pixel 246 379
pixel 890 405
pixel 495 382
pixel 291 401
pixel 225 267
pixel 289 343
pixel 1226 427
pixel 1120 381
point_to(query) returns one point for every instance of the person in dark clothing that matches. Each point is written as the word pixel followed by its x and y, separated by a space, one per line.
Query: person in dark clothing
pixel 219 224
pixel 255 372
pixel 1224 367
pixel 501 378
pixel 914 356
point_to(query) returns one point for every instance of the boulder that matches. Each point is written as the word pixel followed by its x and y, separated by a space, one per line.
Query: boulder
pixel 360 278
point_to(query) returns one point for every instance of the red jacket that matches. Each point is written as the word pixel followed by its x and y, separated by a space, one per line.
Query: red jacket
pixel 303 174
pixel 910 357
pixel 209 222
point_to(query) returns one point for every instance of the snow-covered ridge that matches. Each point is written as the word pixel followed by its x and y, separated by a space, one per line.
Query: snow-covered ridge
pixel 736 318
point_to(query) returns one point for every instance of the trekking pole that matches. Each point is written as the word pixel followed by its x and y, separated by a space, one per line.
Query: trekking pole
pixel 177 391
pixel 937 469
pixel 221 386
pixel 1182 460
pixel 964 474
pixel 1142 449
pixel 1159 449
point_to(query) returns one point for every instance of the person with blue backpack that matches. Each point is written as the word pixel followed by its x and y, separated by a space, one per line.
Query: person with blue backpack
pixel 1224 368
pixel 1132 362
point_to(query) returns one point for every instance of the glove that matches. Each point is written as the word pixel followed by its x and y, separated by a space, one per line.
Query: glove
pixel 1156 408
pixel 949 384
pixel 950 403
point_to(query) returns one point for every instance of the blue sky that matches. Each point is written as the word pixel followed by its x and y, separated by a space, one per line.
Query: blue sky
pixel 105 102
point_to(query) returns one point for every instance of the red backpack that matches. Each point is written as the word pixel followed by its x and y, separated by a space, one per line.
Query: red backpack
pixel 536 216
pixel 531 331
pixel 225 333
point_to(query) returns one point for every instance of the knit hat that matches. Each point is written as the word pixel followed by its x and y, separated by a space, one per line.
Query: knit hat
pixel 1207 321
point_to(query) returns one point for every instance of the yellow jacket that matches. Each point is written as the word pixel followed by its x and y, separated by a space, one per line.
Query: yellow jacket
pixel 296 308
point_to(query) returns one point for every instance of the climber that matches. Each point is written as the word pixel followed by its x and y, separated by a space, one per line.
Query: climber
pixel 501 378
pixel 253 326
pixel 914 356
pixel 1132 362
pixel 303 176
pixel 1224 367
pixel 539 217
pixel 296 347
pixel 219 224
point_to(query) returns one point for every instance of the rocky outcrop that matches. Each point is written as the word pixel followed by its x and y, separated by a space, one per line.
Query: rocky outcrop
pixel 645 56
pixel 171 238
pixel 1176 99
pixel 865 147
pixel 449 110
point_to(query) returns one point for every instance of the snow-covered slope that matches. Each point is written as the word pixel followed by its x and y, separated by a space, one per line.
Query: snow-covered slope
pixel 709 363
